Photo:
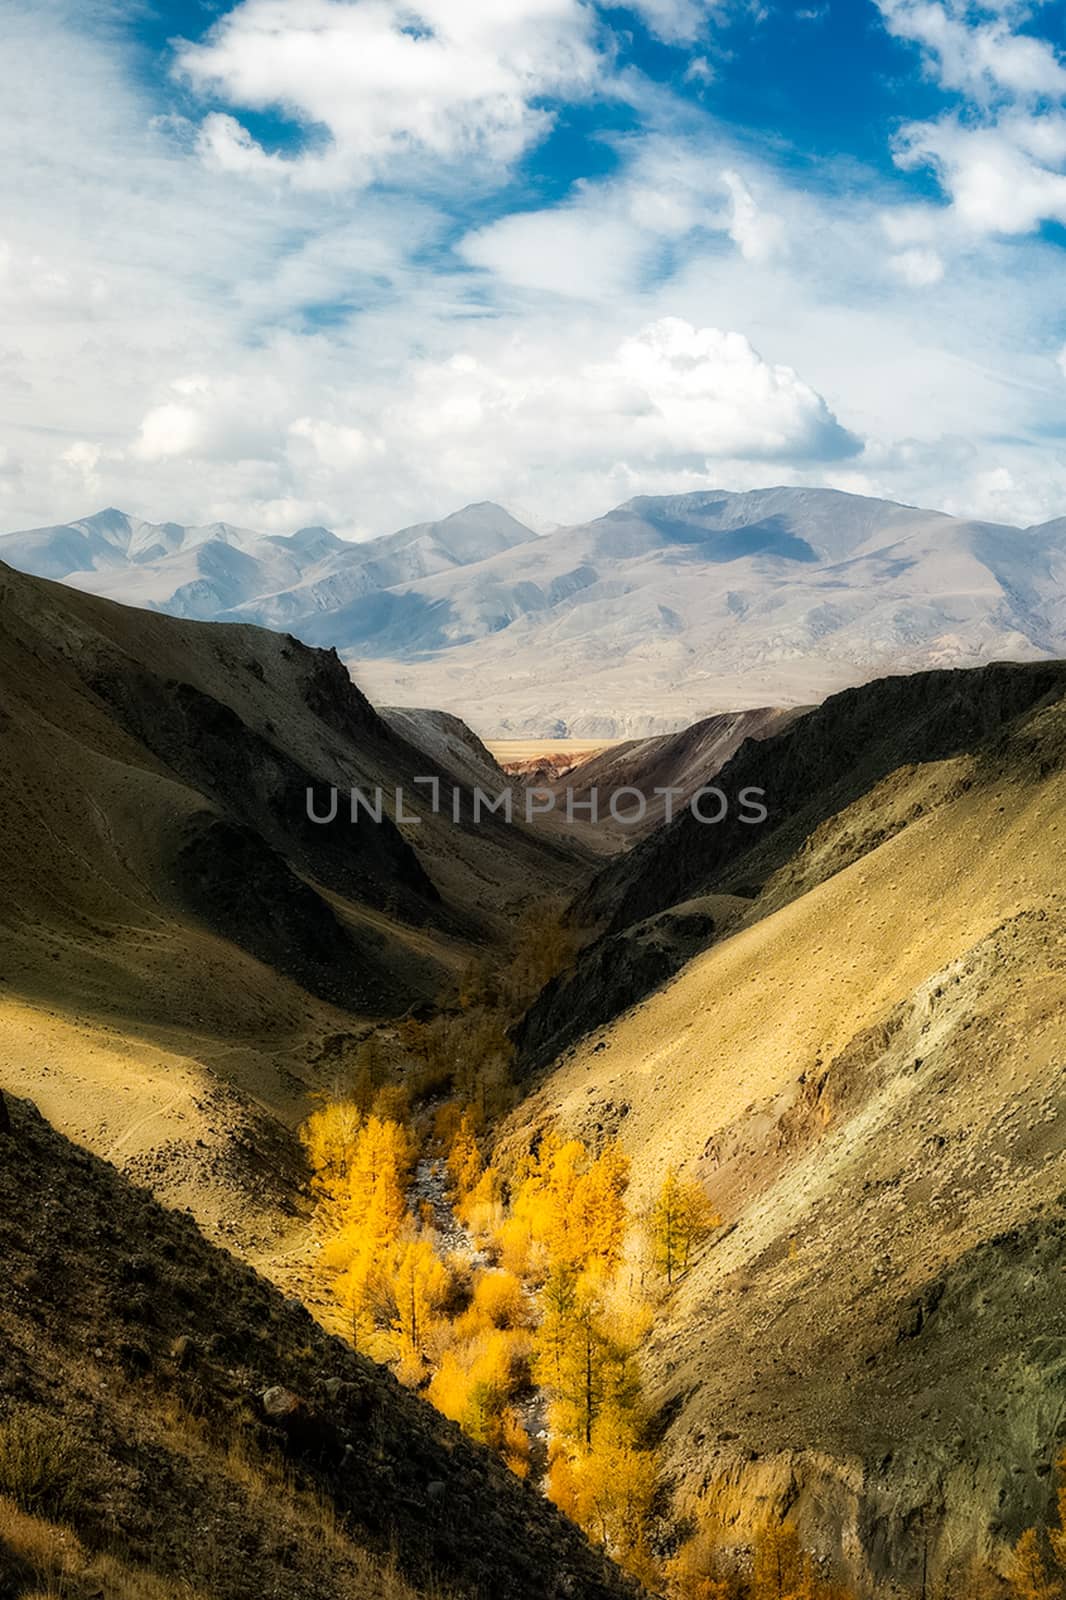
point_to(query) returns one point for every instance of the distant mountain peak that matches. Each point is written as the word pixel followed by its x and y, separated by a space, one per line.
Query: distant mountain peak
pixel 656 613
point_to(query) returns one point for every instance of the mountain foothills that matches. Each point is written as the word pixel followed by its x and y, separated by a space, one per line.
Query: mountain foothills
pixel 846 1027
pixel 709 1178
pixel 180 945
pixel 662 611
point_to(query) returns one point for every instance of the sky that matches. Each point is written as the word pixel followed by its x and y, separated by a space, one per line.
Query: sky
pixel 361 262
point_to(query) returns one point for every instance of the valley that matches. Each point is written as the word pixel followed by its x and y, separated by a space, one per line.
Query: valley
pixel 711 1176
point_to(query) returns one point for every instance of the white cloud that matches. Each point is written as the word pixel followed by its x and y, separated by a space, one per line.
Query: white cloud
pixel 679 21
pixel 563 251
pixel 919 268
pixel 980 56
pixel 1061 359
pixel 337 446
pixel 689 391
pixel 230 417
pixel 699 70
pixel 993 181
pixel 83 456
pixel 483 421
pixel 1000 163
pixel 758 235
pixel 228 147
pixel 608 238
pixel 386 80
pixel 208 345
pixel 169 430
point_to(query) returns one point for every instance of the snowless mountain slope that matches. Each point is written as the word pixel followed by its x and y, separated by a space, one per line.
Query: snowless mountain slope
pixel 158 1366
pixel 670 614
pixel 183 951
pixel 861 1062
pixel 221 572
pixel 355 571
pixel 666 610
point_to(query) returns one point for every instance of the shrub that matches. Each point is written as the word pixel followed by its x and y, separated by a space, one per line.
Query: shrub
pixel 41 1466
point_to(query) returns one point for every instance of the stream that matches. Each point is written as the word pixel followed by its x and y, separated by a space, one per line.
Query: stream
pixel 429 1186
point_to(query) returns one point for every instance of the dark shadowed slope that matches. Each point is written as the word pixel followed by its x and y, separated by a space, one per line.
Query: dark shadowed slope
pixel 173 927
pixel 206 1438
pixel 863 1067
pixel 688 882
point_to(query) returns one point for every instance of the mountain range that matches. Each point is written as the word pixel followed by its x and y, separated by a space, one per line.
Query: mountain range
pixel 844 1026
pixel 664 610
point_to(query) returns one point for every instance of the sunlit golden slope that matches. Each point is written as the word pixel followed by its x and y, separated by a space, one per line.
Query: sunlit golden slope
pixel 869 1079
pixel 178 943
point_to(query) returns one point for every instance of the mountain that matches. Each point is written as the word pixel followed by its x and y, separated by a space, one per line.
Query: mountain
pixel 171 1424
pixel 182 951
pixel 856 1051
pixel 222 572
pixel 638 623
pixel 668 609
pixel 680 763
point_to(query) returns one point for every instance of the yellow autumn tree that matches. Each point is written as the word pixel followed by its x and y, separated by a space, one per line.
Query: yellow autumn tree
pixel 1057 1536
pixel 681 1217
pixel 608 1490
pixel 1030 1575
pixel 781 1568
pixel 500 1301
pixel 567 1209
pixel 1038 1564
pixel 570 1365
pixel 599 1222
pixel 700 1569
pixel 329 1137
pixel 370 1070
pixel 370 1210
pixel 482 1208
pixel 421 1284
pixel 464 1157
pixel 476 1380
pixel 543 947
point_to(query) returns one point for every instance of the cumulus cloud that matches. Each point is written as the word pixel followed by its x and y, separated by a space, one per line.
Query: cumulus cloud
pixel 994 179
pixel 669 397
pixel 182 336
pixel 337 446
pixel 688 391
pixel 215 419
pixel 1001 162
pixel 670 394
pixel 978 54
pixel 386 79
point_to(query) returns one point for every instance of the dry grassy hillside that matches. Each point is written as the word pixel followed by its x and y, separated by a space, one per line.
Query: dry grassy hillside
pixel 178 943
pixel 171 1427
pixel 866 1073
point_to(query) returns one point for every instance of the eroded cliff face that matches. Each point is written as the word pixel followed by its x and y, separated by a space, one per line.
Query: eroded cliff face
pixel 975 1466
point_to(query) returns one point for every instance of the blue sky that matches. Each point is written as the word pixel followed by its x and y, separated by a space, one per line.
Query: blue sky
pixel 358 261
